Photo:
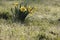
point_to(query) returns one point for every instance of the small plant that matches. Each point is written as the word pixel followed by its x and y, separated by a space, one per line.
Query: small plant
pixel 21 12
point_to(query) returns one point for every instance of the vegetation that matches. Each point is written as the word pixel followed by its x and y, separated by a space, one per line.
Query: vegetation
pixel 21 11
pixel 44 24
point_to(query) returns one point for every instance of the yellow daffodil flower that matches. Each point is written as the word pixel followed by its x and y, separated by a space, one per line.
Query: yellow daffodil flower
pixel 16 4
pixel 23 9
pixel 29 9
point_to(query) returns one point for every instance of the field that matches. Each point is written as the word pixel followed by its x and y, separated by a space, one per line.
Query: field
pixel 43 24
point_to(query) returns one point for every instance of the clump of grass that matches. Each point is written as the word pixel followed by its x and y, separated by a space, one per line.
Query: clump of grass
pixel 4 14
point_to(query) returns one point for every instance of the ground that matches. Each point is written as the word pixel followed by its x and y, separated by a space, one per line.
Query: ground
pixel 44 24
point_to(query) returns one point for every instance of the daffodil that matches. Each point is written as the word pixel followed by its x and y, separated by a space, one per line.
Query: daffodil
pixel 23 9
pixel 16 4
pixel 29 9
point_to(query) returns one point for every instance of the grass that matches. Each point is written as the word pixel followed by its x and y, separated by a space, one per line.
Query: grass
pixel 42 25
